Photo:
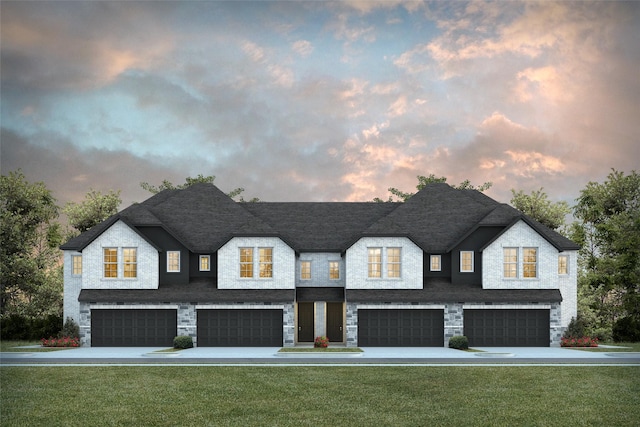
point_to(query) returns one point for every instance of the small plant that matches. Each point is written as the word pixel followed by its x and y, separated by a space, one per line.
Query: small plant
pixel 459 342
pixel 576 328
pixel 579 342
pixel 321 342
pixel 70 329
pixel 60 342
pixel 182 342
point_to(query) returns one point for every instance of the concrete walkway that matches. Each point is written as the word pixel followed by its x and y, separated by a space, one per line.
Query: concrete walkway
pixel 270 355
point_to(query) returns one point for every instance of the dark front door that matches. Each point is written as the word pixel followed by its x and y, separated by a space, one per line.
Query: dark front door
pixel 305 322
pixel 334 322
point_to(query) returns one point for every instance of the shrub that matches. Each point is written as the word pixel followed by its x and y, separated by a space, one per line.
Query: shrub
pixel 603 334
pixel 183 341
pixel 60 342
pixel 321 342
pixel 579 342
pixel 18 327
pixel 627 329
pixel 576 328
pixel 459 342
pixel 70 329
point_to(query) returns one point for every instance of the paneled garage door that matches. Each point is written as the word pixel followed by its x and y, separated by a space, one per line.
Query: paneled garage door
pixel 400 328
pixel 240 328
pixel 512 328
pixel 133 328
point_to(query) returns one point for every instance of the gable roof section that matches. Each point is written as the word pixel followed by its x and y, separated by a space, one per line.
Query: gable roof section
pixel 320 227
pixel 436 216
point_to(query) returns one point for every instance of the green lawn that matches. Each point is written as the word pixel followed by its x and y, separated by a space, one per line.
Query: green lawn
pixel 13 346
pixel 319 396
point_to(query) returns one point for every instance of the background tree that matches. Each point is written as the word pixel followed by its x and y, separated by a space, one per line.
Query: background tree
pixel 424 181
pixel 537 206
pixel 608 229
pixel 30 269
pixel 93 210
pixel 168 185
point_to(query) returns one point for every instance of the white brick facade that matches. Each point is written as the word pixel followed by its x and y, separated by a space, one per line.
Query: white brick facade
pixel 72 287
pixel 284 264
pixel 357 264
pixel 520 236
pixel 120 236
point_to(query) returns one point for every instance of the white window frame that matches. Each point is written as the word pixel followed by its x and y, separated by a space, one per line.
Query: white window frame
pixel 105 263
pixel 76 265
pixel 566 265
pixel 334 266
pixel 265 265
pixel 133 263
pixel 505 262
pixel 526 263
pixel 391 265
pixel 438 259
pixel 169 270
pixel 202 258
pixel 372 271
pixel 462 270
pixel 304 271
pixel 248 264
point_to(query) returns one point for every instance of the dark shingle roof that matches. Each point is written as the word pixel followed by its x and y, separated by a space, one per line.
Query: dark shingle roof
pixel 439 290
pixel 199 290
pixel 203 218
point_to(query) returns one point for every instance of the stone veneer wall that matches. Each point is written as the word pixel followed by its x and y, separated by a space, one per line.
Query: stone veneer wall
pixel 187 317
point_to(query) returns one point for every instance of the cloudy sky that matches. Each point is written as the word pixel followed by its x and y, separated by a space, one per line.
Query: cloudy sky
pixel 319 101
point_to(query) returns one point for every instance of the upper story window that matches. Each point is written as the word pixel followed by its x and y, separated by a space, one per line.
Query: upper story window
pixel 334 270
pixel 266 262
pixel 110 262
pixel 466 261
pixel 530 263
pixel 305 270
pixel 76 265
pixel 246 262
pixel 374 256
pixel 205 263
pixel 563 265
pixel 393 262
pixel 510 262
pixel 130 258
pixel 436 262
pixel 173 261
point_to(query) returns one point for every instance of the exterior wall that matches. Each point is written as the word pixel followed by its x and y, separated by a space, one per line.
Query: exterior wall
pixel 411 265
pixel 284 264
pixel 119 235
pixel 187 316
pixel 72 287
pixel 320 270
pixel 520 236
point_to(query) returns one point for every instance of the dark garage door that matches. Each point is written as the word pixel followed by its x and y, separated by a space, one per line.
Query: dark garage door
pixel 133 328
pixel 240 328
pixel 513 328
pixel 400 328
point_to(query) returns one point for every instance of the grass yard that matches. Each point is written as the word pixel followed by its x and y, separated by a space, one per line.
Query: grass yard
pixel 319 396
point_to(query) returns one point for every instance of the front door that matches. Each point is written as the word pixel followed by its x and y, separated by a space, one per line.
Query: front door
pixel 305 322
pixel 334 322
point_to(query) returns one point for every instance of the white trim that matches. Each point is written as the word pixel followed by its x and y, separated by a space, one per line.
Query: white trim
pixel 132 306
pixel 239 306
pixel 506 306
pixel 208 257
pixel 384 306
pixel 439 258
pixel 168 264
pixel 472 262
